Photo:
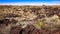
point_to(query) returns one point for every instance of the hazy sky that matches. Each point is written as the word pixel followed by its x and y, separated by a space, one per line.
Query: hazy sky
pixel 30 2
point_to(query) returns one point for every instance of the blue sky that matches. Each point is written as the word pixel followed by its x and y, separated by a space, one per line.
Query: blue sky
pixel 30 2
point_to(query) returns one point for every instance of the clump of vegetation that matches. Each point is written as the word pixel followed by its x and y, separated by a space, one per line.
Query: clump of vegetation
pixel 40 24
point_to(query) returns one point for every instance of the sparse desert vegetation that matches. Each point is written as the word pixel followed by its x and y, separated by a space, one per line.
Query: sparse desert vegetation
pixel 29 19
